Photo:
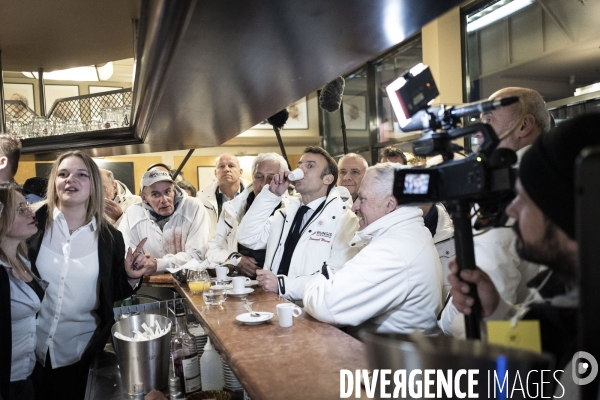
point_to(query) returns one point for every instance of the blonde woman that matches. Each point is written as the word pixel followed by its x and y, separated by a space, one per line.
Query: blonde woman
pixel 81 255
pixel 20 296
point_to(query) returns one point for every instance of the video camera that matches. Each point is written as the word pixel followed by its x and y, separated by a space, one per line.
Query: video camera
pixel 486 177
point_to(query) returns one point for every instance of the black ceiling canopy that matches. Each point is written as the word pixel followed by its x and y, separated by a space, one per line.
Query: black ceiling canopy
pixel 208 70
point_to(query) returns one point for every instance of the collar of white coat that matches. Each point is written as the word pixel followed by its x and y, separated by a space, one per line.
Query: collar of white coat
pixel 183 205
pixel 233 207
pixel 379 227
pixel 445 228
pixel 520 154
pixel 58 216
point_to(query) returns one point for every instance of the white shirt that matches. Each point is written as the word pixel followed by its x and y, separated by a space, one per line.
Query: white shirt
pixel 312 207
pixel 70 265
pixel 24 304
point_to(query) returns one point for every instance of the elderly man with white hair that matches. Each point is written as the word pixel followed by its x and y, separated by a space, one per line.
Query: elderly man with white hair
pixel 224 244
pixel 394 284
pixel 176 226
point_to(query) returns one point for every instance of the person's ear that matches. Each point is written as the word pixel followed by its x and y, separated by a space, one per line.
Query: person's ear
pixel 526 127
pixel 241 171
pixel 391 204
pixel 3 162
pixel 328 179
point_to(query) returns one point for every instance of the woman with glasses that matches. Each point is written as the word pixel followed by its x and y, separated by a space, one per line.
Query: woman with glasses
pixel 83 258
pixel 21 294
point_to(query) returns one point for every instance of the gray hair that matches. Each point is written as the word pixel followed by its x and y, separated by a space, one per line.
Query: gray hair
pixel 109 174
pixel 262 157
pixel 534 105
pixel 354 156
pixel 22 98
pixel 383 178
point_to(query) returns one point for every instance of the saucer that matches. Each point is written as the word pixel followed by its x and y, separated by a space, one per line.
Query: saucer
pixel 246 291
pixel 248 320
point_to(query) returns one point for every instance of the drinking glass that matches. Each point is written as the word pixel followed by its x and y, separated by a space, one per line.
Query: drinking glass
pixel 16 128
pixel 39 127
pixel 60 127
pixel 198 281
pixel 215 294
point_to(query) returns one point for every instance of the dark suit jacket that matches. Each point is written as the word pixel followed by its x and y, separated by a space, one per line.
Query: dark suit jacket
pixel 114 284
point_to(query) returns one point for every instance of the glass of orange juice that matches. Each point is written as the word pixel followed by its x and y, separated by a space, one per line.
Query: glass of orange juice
pixel 198 281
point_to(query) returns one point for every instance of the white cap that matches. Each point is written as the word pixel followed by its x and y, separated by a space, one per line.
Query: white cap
pixel 208 345
pixel 151 177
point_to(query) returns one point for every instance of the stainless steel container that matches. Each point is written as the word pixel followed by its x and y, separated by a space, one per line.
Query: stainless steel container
pixel 410 352
pixel 145 362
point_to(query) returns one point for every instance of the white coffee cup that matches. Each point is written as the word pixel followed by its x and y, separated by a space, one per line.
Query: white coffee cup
pixel 222 272
pixel 286 311
pixel 295 175
pixel 239 283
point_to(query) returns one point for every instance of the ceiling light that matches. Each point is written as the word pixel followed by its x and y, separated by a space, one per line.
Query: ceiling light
pixel 493 13
pixel 587 89
pixel 90 74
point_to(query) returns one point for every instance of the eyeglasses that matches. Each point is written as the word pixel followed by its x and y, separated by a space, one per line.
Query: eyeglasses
pixel 23 209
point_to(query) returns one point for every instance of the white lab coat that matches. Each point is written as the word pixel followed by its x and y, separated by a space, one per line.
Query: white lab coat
pixel 224 242
pixel 393 285
pixel 208 197
pixel 444 244
pixel 324 240
pixel 184 236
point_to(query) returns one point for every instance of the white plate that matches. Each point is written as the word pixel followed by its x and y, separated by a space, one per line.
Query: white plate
pixel 248 320
pixel 246 291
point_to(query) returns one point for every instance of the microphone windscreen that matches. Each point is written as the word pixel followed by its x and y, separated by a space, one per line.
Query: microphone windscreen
pixel 279 119
pixel 330 99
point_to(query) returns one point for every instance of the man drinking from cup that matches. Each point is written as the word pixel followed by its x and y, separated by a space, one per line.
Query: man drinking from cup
pixel 310 236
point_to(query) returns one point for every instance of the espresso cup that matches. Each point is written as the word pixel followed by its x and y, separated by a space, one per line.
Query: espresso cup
pixel 295 175
pixel 286 313
pixel 222 273
pixel 239 283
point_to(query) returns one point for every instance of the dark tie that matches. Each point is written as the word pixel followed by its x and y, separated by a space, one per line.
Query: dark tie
pixel 292 241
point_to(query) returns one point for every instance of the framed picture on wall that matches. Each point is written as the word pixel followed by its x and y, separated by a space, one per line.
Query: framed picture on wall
pixel 55 92
pixel 102 89
pixel 355 112
pixel 298 118
pixel 206 175
pixel 24 92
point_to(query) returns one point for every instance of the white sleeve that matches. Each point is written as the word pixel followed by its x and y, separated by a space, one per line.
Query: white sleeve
pixel 217 245
pixel 195 245
pixel 130 236
pixel 350 297
pixel 496 256
pixel 255 228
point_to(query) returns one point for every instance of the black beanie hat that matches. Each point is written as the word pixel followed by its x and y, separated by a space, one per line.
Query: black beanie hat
pixel 547 170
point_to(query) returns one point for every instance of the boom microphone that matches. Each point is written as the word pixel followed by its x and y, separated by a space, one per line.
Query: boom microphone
pixel 330 99
pixel 278 120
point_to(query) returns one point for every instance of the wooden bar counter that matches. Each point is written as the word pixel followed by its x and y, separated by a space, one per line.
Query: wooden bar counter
pixel 299 362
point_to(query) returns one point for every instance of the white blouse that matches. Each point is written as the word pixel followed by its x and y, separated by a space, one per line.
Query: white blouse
pixel 24 304
pixel 70 264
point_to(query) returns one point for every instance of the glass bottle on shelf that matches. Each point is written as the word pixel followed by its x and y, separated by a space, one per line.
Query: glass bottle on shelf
pixel 186 364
